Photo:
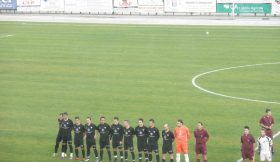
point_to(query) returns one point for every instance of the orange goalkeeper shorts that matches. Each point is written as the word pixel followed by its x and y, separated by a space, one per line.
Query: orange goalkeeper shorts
pixel 181 147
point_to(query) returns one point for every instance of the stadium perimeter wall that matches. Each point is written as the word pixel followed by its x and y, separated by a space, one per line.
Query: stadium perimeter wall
pixel 144 7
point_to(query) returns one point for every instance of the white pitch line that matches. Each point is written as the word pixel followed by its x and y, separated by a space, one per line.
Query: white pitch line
pixel 6 36
pixel 274 136
pixel 194 79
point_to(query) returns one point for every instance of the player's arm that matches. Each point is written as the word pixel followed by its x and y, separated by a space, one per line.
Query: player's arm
pixel 188 134
pixel 172 136
pixel 121 133
pixel 96 130
pixel 207 137
pixel 241 142
pixel 157 134
pixel 146 132
pixel 111 133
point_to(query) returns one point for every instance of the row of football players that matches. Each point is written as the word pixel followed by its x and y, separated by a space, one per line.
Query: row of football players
pixel 264 142
pixel 121 139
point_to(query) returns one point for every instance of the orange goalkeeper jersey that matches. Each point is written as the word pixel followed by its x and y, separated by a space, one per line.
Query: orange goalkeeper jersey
pixel 182 134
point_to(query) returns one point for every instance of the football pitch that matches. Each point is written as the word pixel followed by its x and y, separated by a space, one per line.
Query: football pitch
pixel 134 71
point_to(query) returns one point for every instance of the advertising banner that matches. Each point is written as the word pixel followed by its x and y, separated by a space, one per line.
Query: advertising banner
pixel 276 7
pixel 151 6
pixel 190 5
pixel 244 1
pixel 52 5
pixel 8 4
pixel 244 8
pixel 125 3
pixel 28 3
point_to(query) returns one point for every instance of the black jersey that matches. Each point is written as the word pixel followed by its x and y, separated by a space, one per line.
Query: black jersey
pixel 117 132
pixel 66 127
pixel 59 125
pixel 104 131
pixel 79 131
pixel 141 133
pixel 153 135
pixel 128 134
pixel 168 138
pixel 90 131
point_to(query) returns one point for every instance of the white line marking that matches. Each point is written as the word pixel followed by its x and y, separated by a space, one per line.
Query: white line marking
pixel 227 96
pixel 6 36
pixel 274 136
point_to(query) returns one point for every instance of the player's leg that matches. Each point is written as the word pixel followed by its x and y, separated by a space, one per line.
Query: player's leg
pixel 77 152
pixel 171 157
pixel 77 145
pixel 115 154
pixel 125 152
pixel 108 152
pixel 132 153
pixel 204 153
pixel 83 151
pixel 63 147
pixel 156 152
pixel 102 146
pixel 57 141
pixel 185 150
pixel 150 152
pixel 115 150
pixel 95 150
pixel 163 157
pixel 140 151
pixel 178 151
pixel 120 148
pixel 145 149
pixel 71 149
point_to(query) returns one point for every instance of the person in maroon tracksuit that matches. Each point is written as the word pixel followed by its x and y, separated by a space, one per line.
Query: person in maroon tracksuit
pixel 201 138
pixel 247 145
pixel 266 123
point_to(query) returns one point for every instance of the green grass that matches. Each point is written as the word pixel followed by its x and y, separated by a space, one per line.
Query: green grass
pixel 133 71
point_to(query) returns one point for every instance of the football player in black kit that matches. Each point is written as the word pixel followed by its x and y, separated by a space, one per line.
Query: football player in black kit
pixel 117 138
pixel 104 139
pixel 128 141
pixel 58 137
pixel 141 133
pixel 66 130
pixel 79 133
pixel 168 138
pixel 90 138
pixel 153 140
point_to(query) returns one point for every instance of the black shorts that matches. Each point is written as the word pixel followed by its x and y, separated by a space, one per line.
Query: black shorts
pixel 91 143
pixel 152 147
pixel 167 149
pixel 116 143
pixel 67 138
pixel 128 146
pixel 58 138
pixel 79 142
pixel 104 143
pixel 142 146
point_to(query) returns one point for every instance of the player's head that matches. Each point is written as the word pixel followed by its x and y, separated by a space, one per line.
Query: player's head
pixel 102 120
pixel 140 122
pixel 262 132
pixel 116 120
pixel 268 112
pixel 180 122
pixel 60 116
pixel 126 123
pixel 199 125
pixel 77 120
pixel 152 123
pixel 65 115
pixel 166 127
pixel 246 129
pixel 88 120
